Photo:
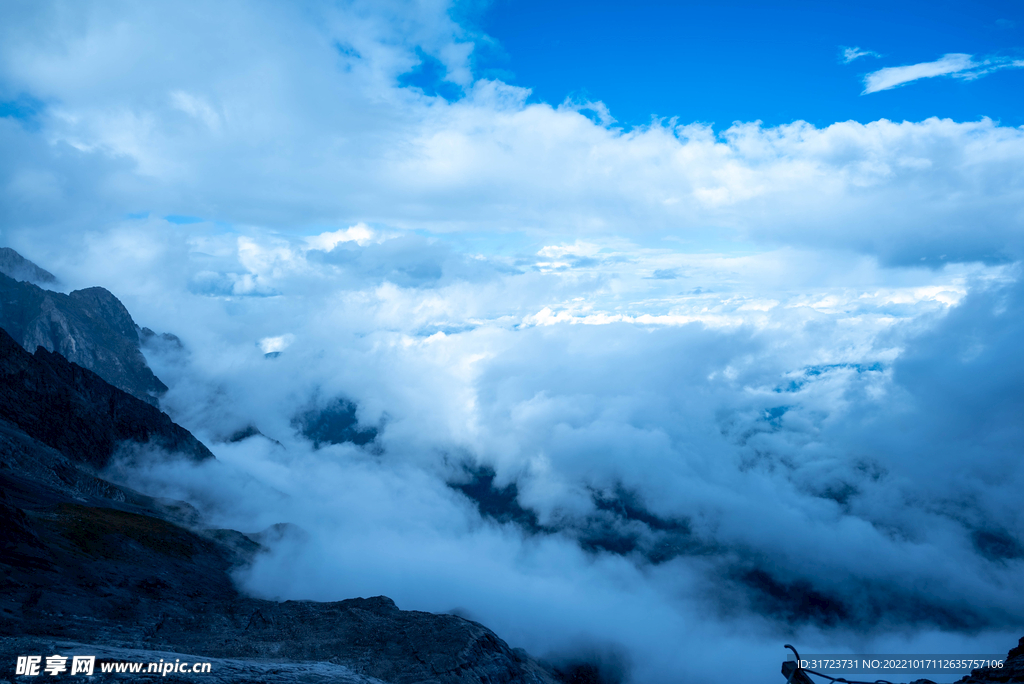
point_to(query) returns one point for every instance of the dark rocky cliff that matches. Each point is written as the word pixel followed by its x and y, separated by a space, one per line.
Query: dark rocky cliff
pixel 75 411
pixel 89 327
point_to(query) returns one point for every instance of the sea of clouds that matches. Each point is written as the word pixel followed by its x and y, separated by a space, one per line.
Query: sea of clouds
pixel 747 385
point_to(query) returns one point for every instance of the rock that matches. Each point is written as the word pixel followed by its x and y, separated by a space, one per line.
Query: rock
pixel 334 423
pixel 163 341
pixel 76 412
pixel 222 670
pixel 18 267
pixel 89 327
pixel 19 544
pixel 1012 670
pixel 127 580
pixel 243 434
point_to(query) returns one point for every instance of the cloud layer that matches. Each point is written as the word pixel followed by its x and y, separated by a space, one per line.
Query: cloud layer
pixel 729 457
pixel 294 125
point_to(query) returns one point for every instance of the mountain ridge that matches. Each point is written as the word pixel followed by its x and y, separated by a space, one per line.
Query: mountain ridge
pixel 90 327
pixel 18 267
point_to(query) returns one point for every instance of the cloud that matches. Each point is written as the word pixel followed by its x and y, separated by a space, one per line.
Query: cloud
pixel 850 54
pixel 957 65
pixel 196 107
pixel 271 345
pixel 309 137
pixel 890 77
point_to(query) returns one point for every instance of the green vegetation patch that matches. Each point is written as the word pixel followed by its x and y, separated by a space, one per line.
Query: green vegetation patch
pixel 108 533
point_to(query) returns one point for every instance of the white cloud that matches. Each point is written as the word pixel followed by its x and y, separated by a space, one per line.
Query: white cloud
pixel 890 77
pixel 270 345
pixel 850 54
pixel 360 233
pixel 307 137
pixel 958 65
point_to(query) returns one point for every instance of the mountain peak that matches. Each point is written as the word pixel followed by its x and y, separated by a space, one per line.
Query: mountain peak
pixel 90 327
pixel 18 267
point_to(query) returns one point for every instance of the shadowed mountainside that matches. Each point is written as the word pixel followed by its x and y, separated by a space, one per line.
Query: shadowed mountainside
pixel 75 411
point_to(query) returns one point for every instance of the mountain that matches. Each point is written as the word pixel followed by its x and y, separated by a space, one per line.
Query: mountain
pixel 74 411
pixel 87 566
pixel 18 267
pixel 89 327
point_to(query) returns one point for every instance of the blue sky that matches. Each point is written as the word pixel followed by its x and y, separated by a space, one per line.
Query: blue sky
pixel 775 62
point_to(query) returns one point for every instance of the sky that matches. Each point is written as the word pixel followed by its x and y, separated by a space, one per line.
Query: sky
pixel 744 61
pixel 724 307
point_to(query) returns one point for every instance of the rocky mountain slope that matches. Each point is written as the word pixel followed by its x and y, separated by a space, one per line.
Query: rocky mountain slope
pixel 18 267
pixel 89 327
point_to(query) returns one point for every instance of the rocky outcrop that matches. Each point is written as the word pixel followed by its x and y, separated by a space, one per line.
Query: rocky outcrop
pixel 18 267
pixel 373 637
pixel 333 423
pixel 106 576
pixel 74 411
pixel 89 327
pixel 102 575
pixel 1011 672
